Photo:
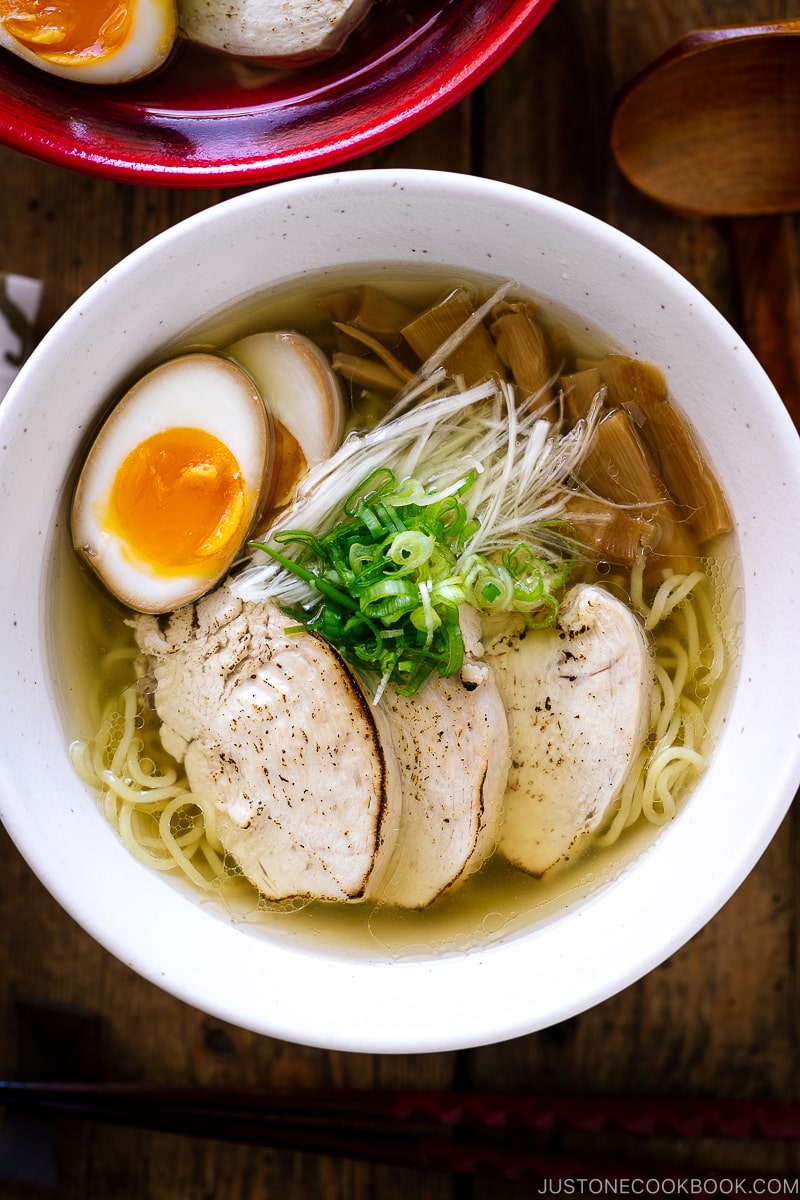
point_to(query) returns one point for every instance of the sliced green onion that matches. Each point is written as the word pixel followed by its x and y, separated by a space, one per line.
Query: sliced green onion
pixel 372 486
pixel 316 581
pixel 410 549
pixel 394 571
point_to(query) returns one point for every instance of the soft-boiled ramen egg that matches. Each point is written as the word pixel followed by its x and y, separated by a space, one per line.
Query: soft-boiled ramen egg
pixel 94 41
pixel 304 397
pixel 173 483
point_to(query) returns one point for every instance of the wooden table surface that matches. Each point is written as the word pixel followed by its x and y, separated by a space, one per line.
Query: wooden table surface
pixel 720 1018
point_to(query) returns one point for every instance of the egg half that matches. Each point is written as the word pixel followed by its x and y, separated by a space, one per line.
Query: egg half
pixel 93 41
pixel 304 397
pixel 173 482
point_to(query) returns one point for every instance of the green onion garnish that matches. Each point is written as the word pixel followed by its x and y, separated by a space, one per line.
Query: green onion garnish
pixel 393 572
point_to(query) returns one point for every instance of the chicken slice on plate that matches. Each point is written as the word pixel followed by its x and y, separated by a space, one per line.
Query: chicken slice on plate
pixel 577 698
pixel 451 741
pixel 272 30
pixel 276 731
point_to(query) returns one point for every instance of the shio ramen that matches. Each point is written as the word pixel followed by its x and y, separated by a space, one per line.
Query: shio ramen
pixel 410 612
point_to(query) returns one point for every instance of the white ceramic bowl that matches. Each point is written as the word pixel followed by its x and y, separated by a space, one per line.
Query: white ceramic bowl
pixel 599 943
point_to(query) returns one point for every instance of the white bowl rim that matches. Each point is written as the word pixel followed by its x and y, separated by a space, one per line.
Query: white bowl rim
pixel 487 994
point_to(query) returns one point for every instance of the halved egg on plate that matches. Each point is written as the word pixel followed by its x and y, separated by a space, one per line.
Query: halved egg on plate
pixel 93 41
pixel 174 482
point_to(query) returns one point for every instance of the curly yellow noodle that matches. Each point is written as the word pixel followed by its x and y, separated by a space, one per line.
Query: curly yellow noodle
pixel 672 592
pixel 716 640
pixel 672 654
pixel 138 772
pixel 686 663
pixel 694 722
pixel 131 707
pixel 173 845
pixel 111 807
pixel 655 705
pixel 665 725
pixel 665 776
pixel 164 825
pixel 79 753
pixel 143 819
pixel 96 750
pixel 139 796
pixel 637 588
pixel 691 634
pixel 135 845
pixel 214 860
pixel 629 804
pixel 146 803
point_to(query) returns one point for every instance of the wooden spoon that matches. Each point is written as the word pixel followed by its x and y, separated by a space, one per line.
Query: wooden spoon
pixel 712 129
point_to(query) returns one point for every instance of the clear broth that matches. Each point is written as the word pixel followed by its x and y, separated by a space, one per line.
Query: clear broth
pixel 496 902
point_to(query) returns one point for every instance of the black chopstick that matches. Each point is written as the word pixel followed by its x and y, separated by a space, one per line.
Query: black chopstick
pixel 476 1133
pixel 499 1110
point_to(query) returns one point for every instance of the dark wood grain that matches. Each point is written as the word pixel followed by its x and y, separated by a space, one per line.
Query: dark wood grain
pixel 720 1018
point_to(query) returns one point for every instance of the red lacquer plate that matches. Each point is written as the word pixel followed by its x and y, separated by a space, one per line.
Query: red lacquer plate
pixel 206 121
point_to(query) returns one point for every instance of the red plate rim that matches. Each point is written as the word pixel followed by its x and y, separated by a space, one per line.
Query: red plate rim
pixel 387 82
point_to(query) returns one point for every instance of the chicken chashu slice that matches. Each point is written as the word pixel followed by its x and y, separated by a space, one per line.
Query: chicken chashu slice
pixel 275 730
pixel 452 745
pixel 273 30
pixel 577 698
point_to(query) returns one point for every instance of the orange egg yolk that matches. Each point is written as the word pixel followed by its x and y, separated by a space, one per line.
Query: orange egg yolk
pixel 178 502
pixel 67 29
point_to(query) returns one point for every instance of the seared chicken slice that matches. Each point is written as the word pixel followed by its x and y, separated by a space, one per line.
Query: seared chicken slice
pixel 275 730
pixel 272 30
pixel 577 698
pixel 451 741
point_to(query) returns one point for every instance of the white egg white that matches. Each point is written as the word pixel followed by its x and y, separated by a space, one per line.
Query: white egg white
pixel 298 386
pixel 195 391
pixel 154 29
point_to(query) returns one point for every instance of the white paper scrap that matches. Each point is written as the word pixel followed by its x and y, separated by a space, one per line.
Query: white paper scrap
pixel 19 308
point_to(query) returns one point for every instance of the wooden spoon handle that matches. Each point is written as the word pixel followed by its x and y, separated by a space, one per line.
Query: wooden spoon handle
pixel 769 284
